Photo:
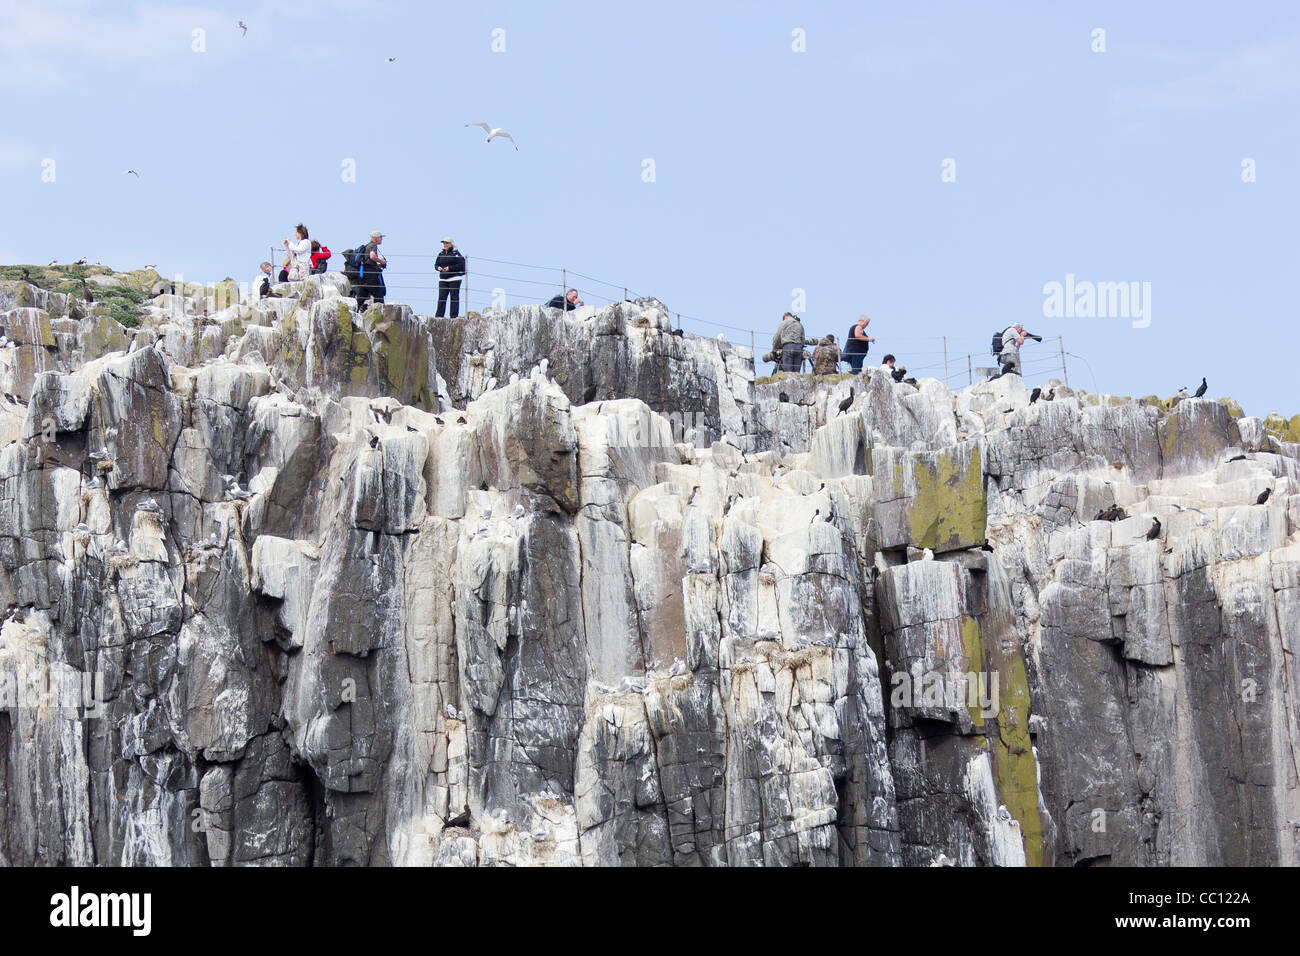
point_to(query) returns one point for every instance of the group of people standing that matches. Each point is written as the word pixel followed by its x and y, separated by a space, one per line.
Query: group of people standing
pixel 790 339
pixel 364 266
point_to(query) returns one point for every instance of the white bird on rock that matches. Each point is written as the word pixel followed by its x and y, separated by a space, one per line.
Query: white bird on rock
pixel 678 668
pixel 148 505
pixel 491 384
pixel 1003 813
pixel 493 132
pixel 83 528
pixel 518 512
pixel 514 377
pixel 237 492
pixel 927 555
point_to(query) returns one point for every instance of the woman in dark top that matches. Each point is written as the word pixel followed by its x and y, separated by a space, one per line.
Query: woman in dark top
pixel 856 345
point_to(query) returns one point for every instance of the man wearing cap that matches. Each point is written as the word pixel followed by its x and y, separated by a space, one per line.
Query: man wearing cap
pixel 451 269
pixel 374 264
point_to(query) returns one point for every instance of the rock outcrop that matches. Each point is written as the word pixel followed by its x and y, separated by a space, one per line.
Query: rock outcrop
pixel 291 583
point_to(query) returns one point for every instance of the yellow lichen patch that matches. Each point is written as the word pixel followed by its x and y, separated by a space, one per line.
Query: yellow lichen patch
pixel 1015 773
pixel 950 509
pixel 1282 428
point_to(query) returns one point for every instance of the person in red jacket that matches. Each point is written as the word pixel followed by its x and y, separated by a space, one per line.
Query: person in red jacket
pixel 320 255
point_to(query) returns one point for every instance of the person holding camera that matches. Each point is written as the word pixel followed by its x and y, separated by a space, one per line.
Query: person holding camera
pixel 1012 338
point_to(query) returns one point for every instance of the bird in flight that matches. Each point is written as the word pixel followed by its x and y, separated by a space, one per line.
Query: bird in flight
pixel 243 26
pixel 392 59
pixel 130 172
pixel 493 132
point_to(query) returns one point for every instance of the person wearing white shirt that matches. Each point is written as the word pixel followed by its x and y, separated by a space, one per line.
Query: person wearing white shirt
pixel 265 275
pixel 299 251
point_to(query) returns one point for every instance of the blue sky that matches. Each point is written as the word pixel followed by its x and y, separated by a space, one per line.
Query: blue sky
pixel 774 170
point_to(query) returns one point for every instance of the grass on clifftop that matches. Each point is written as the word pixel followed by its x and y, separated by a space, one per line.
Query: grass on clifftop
pixel 119 302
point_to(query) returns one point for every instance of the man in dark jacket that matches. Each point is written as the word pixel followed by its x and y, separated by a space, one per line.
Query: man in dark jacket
pixel 567 302
pixel 451 269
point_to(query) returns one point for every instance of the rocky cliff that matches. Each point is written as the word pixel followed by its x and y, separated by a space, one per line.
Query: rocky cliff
pixel 291 583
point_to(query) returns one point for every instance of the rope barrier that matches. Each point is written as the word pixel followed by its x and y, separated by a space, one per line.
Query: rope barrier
pixel 974 351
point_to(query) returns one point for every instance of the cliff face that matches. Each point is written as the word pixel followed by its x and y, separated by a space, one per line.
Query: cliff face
pixel 295 584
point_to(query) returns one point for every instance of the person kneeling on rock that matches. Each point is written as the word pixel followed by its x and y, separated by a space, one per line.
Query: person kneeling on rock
pixel 826 357
pixel 895 373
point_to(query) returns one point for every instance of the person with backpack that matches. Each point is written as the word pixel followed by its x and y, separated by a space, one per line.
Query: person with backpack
pixel 857 345
pixel 1006 346
pixel 451 269
pixel 371 270
pixel 320 257
pixel 299 252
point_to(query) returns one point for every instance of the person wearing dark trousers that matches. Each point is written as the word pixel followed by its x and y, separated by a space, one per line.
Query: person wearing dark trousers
pixel 451 269
pixel 374 263
pixel 857 344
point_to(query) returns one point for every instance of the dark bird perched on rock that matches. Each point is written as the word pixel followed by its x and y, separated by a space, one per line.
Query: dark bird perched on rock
pixel 1201 391
pixel 461 420
pixel 27 276
pixel 589 395
pixel 783 397
pixel 374 441
pixel 1155 529
pixel 1050 396
pixel 844 405
pixel 1263 496
pixel 1113 513
pixel 438 420
pixel 86 291
pixel 1237 458
pixel 1033 396
pixel 677 332
pixel 384 415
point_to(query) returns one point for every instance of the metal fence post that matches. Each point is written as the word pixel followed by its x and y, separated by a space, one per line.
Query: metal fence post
pixel 1064 371
pixel 945 361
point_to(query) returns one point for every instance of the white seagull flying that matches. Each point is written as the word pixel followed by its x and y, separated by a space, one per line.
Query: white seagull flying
pixel 493 132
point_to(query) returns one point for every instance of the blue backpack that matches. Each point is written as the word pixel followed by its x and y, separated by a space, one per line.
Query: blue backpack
pixel 354 262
